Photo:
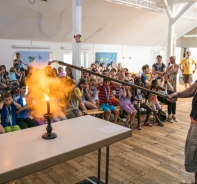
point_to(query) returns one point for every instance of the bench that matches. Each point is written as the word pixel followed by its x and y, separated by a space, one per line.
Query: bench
pixel 93 112
pixel 98 111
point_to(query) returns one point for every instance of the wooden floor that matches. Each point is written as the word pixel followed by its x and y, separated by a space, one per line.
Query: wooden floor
pixel 154 155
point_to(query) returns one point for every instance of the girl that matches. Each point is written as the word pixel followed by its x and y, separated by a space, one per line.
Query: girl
pixel 125 104
pixel 93 90
pixel 69 72
pixel 84 88
pixel 153 102
pixel 165 83
pixel 101 68
pixel 138 101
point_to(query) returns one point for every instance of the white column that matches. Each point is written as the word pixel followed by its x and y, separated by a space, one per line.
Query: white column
pixel 170 39
pixel 76 29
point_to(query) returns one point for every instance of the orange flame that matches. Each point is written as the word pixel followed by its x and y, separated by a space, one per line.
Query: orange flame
pixel 46 97
pixel 44 82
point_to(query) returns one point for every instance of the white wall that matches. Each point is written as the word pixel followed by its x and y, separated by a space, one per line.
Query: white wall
pixel 132 57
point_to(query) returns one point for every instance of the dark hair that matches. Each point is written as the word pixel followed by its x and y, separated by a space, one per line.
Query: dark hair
pixel 22 69
pixel 81 81
pixel 22 84
pixel 113 69
pixel 105 71
pixel 188 52
pixel 106 79
pixel 96 62
pixel 145 67
pixel 159 56
pixel 6 95
pixel 154 81
pixel 18 54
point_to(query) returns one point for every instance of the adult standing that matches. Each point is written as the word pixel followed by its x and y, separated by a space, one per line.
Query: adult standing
pixel 18 63
pixel 159 67
pixel 186 66
pixel 172 69
pixel 191 141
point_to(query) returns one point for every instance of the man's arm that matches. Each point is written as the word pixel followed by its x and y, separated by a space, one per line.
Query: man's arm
pixel 189 92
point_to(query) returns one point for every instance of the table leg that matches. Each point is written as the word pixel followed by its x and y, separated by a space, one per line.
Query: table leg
pixel 99 166
pixel 107 165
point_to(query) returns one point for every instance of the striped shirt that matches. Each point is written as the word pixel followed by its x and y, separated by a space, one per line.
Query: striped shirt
pixel 105 94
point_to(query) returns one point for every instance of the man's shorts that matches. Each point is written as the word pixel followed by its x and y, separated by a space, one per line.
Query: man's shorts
pixel 187 78
pixel 107 107
pixel 191 149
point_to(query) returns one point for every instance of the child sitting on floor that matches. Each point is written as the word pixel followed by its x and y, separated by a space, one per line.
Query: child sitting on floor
pixel 125 103
pixel 105 99
pixel 8 116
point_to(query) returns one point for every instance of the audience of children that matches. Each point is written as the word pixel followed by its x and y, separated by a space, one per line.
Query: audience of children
pixel 91 92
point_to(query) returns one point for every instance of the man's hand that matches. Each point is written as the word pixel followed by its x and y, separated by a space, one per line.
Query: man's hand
pixel 172 97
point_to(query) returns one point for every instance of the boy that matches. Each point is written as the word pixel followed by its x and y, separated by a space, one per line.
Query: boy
pixel 105 99
pixel 8 117
pixel 23 119
pixel 74 99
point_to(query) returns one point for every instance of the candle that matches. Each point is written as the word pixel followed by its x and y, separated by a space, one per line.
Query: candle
pixel 48 107
pixel 47 99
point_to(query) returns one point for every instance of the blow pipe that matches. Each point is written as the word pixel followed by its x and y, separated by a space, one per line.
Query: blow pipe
pixel 106 77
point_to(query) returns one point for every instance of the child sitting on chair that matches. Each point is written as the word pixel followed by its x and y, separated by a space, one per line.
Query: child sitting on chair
pixel 153 102
pixel 125 103
pixel 105 97
pixel 8 116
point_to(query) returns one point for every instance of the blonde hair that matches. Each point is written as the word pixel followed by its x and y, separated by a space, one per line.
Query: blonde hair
pixel 93 78
pixel 173 57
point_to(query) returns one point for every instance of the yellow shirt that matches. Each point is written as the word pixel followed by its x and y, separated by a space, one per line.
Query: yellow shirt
pixel 187 65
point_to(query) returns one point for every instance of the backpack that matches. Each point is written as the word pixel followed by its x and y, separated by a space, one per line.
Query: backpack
pixel 162 116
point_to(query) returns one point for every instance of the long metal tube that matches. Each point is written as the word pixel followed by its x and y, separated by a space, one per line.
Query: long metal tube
pixel 112 79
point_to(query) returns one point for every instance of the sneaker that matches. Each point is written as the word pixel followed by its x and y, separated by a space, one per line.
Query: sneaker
pixel 126 124
pixel 175 120
pixel 139 127
pixel 171 120
pixel 160 124
pixel 148 124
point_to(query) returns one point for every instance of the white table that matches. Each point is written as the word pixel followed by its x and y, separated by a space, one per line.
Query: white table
pixel 25 152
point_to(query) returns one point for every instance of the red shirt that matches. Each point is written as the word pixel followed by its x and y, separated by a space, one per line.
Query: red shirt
pixel 105 94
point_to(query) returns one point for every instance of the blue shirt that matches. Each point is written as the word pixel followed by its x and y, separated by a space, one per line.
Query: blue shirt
pixel 159 69
pixel 22 101
pixel 8 117
pixel 143 79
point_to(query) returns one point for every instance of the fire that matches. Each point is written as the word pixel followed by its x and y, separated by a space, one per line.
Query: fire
pixel 46 97
pixel 44 86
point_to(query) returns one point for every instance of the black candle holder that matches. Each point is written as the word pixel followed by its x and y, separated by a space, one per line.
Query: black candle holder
pixel 49 134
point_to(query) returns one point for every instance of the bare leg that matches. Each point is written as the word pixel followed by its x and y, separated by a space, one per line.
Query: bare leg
pixel 82 106
pixel 115 112
pixel 148 111
pixel 107 115
pixel 185 85
pixel 138 113
pixel 128 117
pixel 90 105
pixel 2 130
pixel 133 117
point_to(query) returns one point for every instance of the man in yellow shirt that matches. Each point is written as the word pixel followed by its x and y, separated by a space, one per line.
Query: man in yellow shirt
pixel 186 66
